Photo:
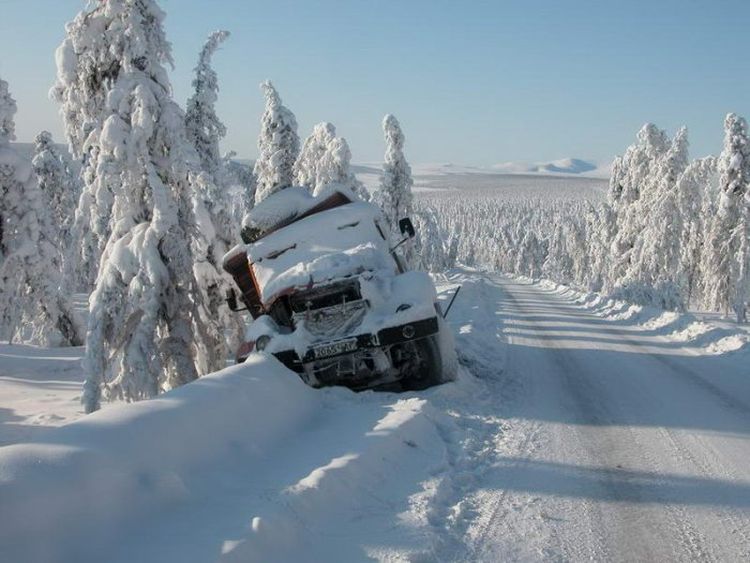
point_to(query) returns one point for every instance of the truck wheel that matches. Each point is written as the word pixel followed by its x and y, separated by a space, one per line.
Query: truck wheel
pixel 430 370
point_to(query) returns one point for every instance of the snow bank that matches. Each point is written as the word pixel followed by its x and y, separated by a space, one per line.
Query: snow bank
pixel 347 496
pixel 712 335
pixel 247 464
pixel 93 474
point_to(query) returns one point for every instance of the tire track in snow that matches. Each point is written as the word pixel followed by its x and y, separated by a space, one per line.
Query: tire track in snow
pixel 559 546
pixel 710 466
pixel 610 434
pixel 505 508
pixel 694 544
pixel 477 434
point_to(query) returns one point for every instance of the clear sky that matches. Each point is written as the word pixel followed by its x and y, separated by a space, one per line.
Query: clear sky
pixel 472 82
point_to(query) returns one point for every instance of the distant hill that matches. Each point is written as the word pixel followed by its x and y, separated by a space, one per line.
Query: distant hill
pixel 562 166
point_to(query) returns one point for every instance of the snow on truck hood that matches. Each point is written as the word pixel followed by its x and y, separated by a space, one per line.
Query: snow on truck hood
pixel 322 247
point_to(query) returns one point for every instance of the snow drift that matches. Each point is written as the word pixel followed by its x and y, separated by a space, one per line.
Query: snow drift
pixel 100 471
pixel 251 445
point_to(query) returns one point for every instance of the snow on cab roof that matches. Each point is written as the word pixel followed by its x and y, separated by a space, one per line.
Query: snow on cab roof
pixel 325 246
pixel 289 203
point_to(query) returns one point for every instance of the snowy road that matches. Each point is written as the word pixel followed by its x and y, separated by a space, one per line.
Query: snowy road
pixel 567 437
pixel 620 444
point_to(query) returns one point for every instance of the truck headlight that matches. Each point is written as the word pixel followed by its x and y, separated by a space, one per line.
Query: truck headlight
pixel 262 342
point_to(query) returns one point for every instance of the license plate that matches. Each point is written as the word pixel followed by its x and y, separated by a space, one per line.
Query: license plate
pixel 335 348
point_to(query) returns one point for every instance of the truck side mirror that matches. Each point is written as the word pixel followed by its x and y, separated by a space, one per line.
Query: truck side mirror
pixel 406 227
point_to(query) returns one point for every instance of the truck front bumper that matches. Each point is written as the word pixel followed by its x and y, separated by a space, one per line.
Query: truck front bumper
pixel 385 337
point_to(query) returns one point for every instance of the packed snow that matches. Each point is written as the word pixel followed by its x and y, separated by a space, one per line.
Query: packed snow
pixel 501 464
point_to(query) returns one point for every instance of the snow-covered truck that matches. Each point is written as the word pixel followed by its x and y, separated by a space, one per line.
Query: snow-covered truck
pixel 331 297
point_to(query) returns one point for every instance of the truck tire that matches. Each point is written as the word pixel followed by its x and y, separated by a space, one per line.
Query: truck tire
pixel 430 370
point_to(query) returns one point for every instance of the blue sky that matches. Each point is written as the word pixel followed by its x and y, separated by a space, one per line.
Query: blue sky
pixel 473 83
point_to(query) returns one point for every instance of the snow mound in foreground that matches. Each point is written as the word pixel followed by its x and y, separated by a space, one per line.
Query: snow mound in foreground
pixel 129 458
pixel 303 461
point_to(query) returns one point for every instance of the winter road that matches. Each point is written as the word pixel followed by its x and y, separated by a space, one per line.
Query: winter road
pixel 619 444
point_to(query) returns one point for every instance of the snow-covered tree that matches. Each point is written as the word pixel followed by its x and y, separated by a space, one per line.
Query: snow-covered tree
pixel 204 128
pixel 335 168
pixel 8 110
pixel 315 146
pixel 633 190
pixel 590 253
pixel 33 304
pixel 60 190
pixel 695 200
pixel 84 78
pixel 149 328
pixel 430 245
pixel 558 263
pixel 531 253
pixel 242 185
pixel 727 254
pixel 394 195
pixel 278 146
pixel 325 159
pixel 657 263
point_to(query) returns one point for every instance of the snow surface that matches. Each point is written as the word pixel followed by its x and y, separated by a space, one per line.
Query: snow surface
pixel 40 388
pixel 578 429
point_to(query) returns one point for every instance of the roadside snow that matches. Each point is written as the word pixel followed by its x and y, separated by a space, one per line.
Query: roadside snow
pixel 707 333
pixel 87 479
pixel 40 388
pixel 248 464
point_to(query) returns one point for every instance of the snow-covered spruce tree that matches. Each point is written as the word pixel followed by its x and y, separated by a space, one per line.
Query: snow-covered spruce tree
pixel 632 192
pixel 84 78
pixel 278 146
pixel 599 228
pixel 8 173
pixel 696 190
pixel 325 160
pixel 726 254
pixel 308 162
pixel 335 168
pixel 657 263
pixel 205 130
pixel 429 245
pixel 558 263
pixel 531 255
pixel 242 185
pixel 60 189
pixel 149 329
pixel 33 304
pixel 394 195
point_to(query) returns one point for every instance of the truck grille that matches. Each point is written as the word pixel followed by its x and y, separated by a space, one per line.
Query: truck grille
pixel 330 311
